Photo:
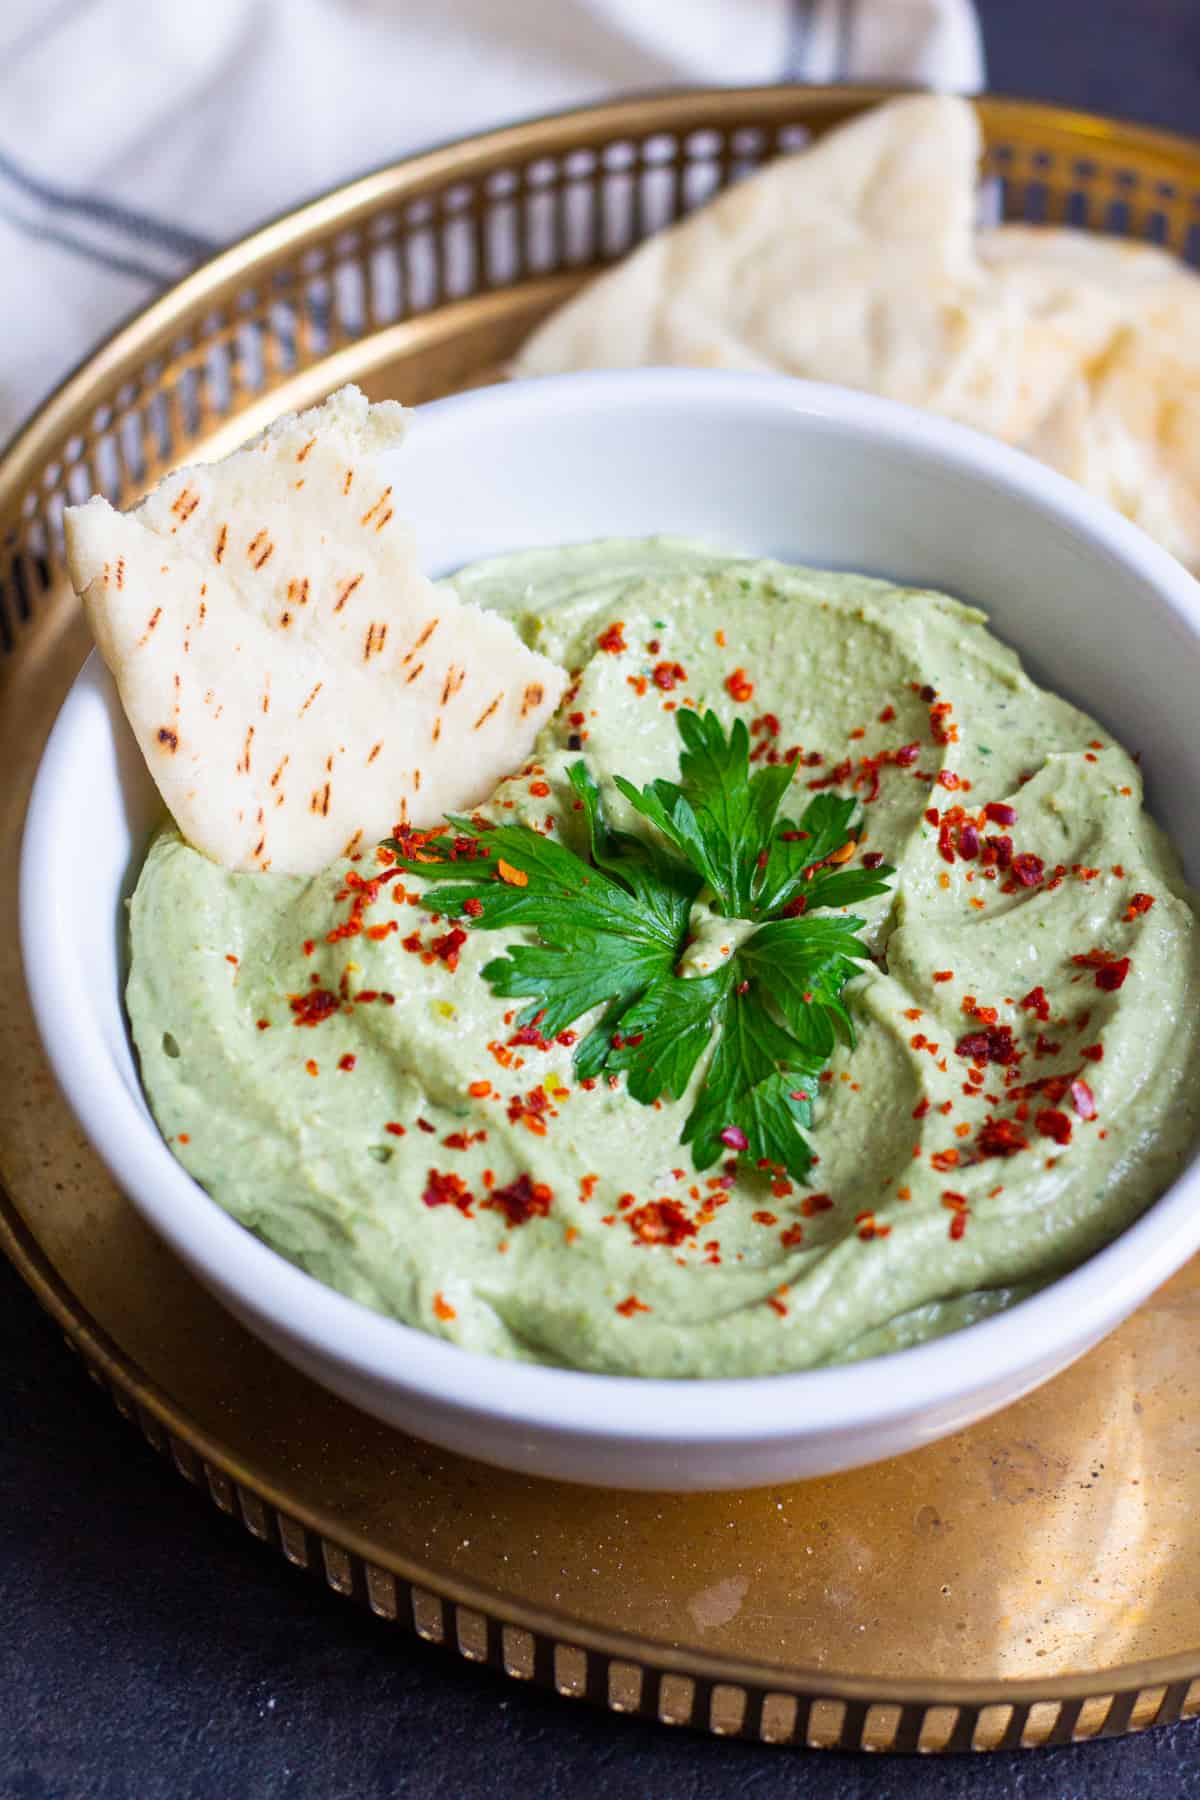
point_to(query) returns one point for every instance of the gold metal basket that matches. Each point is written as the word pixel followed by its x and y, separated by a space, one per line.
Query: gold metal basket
pixel 415 281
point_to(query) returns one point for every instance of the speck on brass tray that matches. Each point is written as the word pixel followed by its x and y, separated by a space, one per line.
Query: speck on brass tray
pixel 1029 1581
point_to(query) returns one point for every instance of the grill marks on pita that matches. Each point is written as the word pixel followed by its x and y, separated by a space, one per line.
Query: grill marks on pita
pixel 294 680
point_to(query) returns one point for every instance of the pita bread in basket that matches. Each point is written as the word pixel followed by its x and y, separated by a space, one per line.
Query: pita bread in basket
pixel 858 261
pixel 295 682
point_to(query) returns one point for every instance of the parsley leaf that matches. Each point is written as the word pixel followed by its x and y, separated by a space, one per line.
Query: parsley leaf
pixel 612 925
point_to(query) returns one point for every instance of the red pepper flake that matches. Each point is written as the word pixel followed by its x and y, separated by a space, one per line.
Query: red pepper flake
pixel 1001 1138
pixel 611 639
pixel 920 1109
pixel 263 1024
pixel 1110 970
pixel 638 683
pixel 479 1090
pixel 958 1225
pixel 1036 1002
pixel 630 1305
pixel 868 1228
pixel 311 1067
pixel 660 1222
pixel 1093 1052
pixel 665 674
pixel 792 1236
pixel 812 1204
pixel 1030 871
pixel 184 1137
pixel 946 778
pixel 734 1137
pixel 993 1045
pixel 447 1190
pixel 1141 903
pixel 395 1129
pixel 539 789
pixel 447 948
pixel 777 1305
pixel 1000 813
pixel 522 1200
pixel 739 686
pixel 442 1309
pixel 529 1034
pixel 1054 1124
pixel 314 1006
pixel 764 1218
pixel 943 974
pixel 346 1063
pixel 1083 1099
pixel 999 850
pixel 309 946
pixel 887 715
pixel 473 908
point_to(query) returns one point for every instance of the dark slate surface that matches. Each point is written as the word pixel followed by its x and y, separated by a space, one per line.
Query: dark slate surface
pixel 149 1650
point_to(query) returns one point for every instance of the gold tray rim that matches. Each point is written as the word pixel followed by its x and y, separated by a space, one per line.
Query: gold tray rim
pixel 164 1424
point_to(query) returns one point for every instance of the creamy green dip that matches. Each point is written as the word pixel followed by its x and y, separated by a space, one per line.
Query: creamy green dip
pixel 1008 1108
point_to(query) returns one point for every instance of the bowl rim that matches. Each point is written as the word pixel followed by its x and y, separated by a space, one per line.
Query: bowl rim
pixel 1053 1325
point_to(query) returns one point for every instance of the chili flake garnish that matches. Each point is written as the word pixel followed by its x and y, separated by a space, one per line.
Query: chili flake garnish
pixel 522 1200
pixel 314 1006
pixel 447 1190
pixel 739 686
pixel 612 639
pixel 1110 970
pixel 630 1305
pixel 1001 1138
pixel 993 1045
pixel 661 1222
pixel 1141 903
pixel 1054 1124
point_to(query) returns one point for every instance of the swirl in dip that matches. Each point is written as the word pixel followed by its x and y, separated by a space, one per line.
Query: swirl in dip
pixel 330 1065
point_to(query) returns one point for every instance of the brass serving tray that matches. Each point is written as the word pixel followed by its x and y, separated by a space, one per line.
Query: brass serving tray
pixel 1029 1581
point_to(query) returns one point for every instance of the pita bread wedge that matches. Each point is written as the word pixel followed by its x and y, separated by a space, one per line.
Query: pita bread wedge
pixel 845 262
pixel 856 261
pixel 1127 423
pixel 294 681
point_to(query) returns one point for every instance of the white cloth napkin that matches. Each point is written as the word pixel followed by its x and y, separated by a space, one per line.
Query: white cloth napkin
pixel 136 138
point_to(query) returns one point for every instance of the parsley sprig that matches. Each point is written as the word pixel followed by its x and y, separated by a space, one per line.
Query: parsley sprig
pixel 612 926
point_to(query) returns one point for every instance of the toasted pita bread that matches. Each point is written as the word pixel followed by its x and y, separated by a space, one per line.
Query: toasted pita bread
pixel 294 681
pixel 856 261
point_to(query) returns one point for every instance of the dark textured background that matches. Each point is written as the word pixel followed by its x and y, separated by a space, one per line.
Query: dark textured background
pixel 150 1650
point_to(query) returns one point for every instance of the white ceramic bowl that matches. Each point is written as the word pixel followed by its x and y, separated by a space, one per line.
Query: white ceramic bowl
pixel 805 472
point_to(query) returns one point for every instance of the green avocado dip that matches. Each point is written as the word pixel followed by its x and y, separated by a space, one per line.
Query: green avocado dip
pixel 328 1061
